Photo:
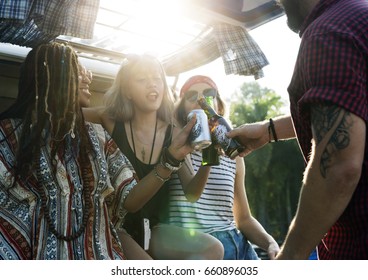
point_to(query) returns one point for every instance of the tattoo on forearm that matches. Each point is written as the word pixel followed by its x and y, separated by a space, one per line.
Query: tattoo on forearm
pixel 332 122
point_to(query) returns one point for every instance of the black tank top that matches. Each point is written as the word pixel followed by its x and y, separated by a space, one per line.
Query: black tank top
pixel 156 210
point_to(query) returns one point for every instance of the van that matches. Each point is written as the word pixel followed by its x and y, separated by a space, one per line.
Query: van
pixel 184 35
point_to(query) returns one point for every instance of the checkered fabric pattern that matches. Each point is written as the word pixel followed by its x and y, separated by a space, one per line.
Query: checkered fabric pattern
pixel 240 53
pixel 331 70
pixel 193 56
pixel 72 18
pixel 17 10
pixel 31 22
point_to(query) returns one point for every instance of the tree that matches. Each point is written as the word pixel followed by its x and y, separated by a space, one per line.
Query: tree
pixel 254 103
pixel 274 172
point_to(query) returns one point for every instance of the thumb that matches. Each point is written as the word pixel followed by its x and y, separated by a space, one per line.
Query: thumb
pixel 188 127
pixel 233 133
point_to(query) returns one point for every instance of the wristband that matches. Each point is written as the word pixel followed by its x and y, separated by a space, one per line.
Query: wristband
pixel 158 176
pixel 271 130
pixel 168 157
pixel 169 162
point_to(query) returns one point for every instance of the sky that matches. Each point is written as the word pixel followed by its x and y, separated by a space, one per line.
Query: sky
pixel 279 44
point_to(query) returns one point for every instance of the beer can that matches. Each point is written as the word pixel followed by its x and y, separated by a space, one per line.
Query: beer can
pixel 200 136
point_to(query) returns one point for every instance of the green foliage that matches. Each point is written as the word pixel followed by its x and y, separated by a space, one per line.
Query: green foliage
pixel 254 103
pixel 274 172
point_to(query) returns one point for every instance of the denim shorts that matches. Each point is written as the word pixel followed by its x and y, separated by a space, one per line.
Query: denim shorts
pixel 236 246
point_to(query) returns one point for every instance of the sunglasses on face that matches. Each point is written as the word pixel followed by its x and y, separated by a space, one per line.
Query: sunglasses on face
pixel 192 95
pixel 84 74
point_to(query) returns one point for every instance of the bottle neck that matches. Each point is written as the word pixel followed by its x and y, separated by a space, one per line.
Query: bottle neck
pixel 210 112
pixel 209 100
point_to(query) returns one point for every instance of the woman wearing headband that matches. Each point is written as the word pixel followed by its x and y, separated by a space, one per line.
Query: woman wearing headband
pixel 221 207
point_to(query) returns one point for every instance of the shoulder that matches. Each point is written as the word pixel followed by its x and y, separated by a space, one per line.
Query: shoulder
pixel 95 127
pixel 6 122
pixel 96 130
pixel 93 114
pixel 240 165
pixel 239 161
pixel 10 125
pixel 100 116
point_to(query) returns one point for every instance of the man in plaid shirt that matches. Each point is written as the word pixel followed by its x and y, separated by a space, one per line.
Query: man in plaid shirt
pixel 328 101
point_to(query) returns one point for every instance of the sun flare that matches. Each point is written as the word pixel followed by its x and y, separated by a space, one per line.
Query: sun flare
pixel 157 27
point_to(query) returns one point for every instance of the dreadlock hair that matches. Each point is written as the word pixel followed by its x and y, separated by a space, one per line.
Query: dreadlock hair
pixel 48 105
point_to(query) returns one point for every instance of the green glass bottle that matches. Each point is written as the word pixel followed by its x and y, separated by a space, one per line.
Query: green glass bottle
pixel 210 156
pixel 219 127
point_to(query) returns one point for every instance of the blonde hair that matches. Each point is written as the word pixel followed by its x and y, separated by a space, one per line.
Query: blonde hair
pixel 119 106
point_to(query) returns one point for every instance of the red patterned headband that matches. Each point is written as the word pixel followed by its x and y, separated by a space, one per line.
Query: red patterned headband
pixel 196 80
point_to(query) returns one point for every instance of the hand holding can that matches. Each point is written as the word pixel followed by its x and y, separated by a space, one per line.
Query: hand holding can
pixel 200 136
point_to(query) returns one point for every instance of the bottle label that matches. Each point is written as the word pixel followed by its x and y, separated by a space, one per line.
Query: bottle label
pixel 220 135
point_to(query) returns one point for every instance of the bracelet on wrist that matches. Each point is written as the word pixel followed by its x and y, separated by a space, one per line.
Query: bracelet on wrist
pixel 169 164
pixel 168 157
pixel 158 176
pixel 172 164
pixel 272 131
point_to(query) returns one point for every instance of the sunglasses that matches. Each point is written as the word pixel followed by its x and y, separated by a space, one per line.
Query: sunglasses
pixel 84 74
pixel 192 95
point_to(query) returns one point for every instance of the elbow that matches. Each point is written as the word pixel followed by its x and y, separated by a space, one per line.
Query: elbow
pixel 347 177
pixel 354 172
pixel 131 207
pixel 192 198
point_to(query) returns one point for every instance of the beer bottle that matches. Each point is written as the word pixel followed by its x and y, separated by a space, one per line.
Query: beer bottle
pixel 210 155
pixel 219 127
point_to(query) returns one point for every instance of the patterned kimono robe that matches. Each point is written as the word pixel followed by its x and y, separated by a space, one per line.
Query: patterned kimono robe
pixel 24 230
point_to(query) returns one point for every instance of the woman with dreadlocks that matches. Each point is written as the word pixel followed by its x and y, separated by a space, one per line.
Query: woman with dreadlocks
pixel 62 181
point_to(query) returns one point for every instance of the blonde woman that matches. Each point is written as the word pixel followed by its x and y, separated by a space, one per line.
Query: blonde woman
pixel 138 113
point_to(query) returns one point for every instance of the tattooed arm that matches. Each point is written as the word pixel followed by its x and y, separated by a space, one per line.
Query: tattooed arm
pixel 330 179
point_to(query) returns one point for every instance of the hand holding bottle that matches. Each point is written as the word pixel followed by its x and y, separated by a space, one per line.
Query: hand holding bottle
pixel 219 129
